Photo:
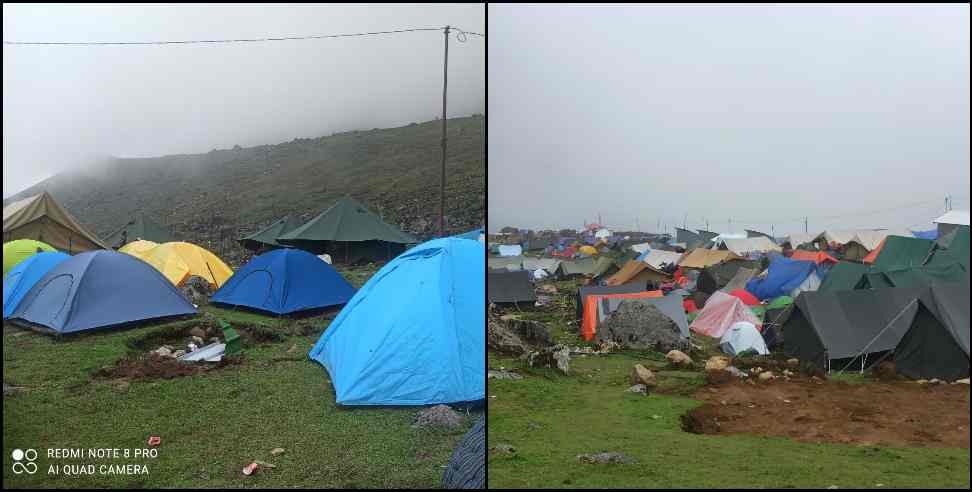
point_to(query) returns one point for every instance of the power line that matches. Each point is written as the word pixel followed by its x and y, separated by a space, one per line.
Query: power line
pixel 460 36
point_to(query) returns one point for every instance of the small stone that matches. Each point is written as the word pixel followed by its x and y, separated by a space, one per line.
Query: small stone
pixel 197 332
pixel 833 487
pixel 922 381
pixel 214 340
pixel 198 341
pixel 717 363
pixel 605 458
pixel 766 376
pixel 178 353
pixel 962 381
pixel 638 388
pixel 641 375
pixel 503 449
pixel 793 362
pixel 121 386
pixel 936 381
pixel 276 451
pixel 163 352
pixel 292 349
pixel 679 359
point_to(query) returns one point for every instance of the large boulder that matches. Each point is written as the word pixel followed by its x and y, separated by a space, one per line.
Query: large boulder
pixel 640 326
pixel 532 332
pixel 501 340
pixel 677 358
pixel 641 375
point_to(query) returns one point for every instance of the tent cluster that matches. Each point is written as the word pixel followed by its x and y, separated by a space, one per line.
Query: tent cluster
pixel 852 296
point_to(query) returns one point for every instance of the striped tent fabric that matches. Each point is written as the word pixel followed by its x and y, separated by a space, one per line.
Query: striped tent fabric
pixel 467 467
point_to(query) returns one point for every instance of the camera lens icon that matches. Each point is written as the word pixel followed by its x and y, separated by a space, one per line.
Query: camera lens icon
pixel 24 461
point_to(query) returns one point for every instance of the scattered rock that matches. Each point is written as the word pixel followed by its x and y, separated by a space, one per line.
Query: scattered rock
pixel 767 376
pixel 502 374
pixel 936 381
pixel 922 381
pixel 438 416
pixel 532 332
pixel 163 351
pixel 121 386
pixel 556 356
pixel 641 375
pixel 793 362
pixel 292 349
pixel 678 358
pixel 962 381
pixel 503 449
pixel 199 341
pixel 547 289
pixel 735 371
pixel 277 451
pixel 605 459
pixel 638 388
pixel 197 332
pixel 717 363
pixel 178 353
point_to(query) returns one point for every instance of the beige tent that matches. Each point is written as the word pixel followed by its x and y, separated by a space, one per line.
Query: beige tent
pixel 701 258
pixel 637 272
pixel 41 218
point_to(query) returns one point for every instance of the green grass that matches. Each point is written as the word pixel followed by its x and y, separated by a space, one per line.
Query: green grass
pixel 212 424
pixel 550 418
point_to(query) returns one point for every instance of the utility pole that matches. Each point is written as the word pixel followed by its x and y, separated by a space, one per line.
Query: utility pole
pixel 806 225
pixel 445 84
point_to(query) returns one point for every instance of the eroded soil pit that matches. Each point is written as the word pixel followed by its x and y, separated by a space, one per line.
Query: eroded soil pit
pixel 879 413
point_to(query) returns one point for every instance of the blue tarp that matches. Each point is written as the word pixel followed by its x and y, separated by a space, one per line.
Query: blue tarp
pixel 784 275
pixel 415 333
pixel 285 281
pixel 18 281
pixel 99 289
pixel 931 234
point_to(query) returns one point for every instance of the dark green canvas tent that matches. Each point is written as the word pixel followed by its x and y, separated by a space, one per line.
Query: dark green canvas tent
pixel 349 232
pixel 937 343
pixel 266 238
pixel 901 252
pixel 845 275
pixel 956 250
pixel 140 227
pixel 917 277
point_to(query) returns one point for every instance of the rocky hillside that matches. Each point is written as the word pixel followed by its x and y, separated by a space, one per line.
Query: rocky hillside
pixel 215 197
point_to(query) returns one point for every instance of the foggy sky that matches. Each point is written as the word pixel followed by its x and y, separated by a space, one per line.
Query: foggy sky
pixel 66 105
pixel 855 116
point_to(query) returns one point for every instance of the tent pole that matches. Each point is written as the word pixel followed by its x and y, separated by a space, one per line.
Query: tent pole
pixel 445 83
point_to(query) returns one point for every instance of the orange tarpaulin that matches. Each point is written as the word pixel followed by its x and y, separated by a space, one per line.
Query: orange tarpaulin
pixel 589 321
pixel 874 254
pixel 817 257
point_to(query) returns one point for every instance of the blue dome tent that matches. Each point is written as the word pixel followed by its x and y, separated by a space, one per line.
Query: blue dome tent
pixel 18 281
pixel 414 334
pixel 99 289
pixel 285 281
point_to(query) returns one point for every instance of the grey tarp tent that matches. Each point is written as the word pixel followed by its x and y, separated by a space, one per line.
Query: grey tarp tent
pixel 586 290
pixel 670 305
pixel 41 218
pixel 509 287
pixel 349 232
pixel 936 344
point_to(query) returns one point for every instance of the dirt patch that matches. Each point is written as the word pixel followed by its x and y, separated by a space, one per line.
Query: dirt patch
pixel 178 335
pixel 880 413
pixel 155 367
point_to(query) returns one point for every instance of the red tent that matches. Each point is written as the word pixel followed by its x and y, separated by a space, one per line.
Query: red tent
pixel 744 296
pixel 689 306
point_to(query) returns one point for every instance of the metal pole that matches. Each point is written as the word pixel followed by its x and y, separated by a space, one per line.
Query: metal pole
pixel 445 84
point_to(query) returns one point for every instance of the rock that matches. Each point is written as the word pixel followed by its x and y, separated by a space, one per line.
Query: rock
pixel 640 326
pixel 936 381
pixel 788 373
pixel 962 381
pixel 438 416
pixel 276 451
pixel 922 381
pixel 717 363
pixel 793 362
pixel 641 375
pixel 556 356
pixel 163 352
pixel 638 388
pixel 736 372
pixel 532 332
pixel 178 353
pixel 199 341
pixel 500 339
pixel 547 289
pixel 501 374
pixel 214 340
pixel 503 449
pixel 121 386
pixel 197 332
pixel 605 458
pixel 678 358
pixel 766 376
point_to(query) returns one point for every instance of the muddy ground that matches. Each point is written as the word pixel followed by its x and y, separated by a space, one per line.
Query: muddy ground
pixel 880 413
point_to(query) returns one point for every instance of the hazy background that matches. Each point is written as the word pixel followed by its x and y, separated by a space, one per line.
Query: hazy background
pixel 855 116
pixel 66 106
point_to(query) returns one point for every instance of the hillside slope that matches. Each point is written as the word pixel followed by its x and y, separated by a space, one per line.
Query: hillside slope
pixel 215 197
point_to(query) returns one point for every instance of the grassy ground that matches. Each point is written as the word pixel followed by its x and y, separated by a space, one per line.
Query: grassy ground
pixel 550 418
pixel 213 424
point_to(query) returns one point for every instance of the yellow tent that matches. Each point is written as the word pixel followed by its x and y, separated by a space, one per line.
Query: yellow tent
pixel 588 250
pixel 135 248
pixel 701 258
pixel 178 261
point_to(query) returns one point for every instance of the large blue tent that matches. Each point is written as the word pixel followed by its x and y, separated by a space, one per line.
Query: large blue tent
pixel 414 334
pixel 18 281
pixel 99 289
pixel 783 277
pixel 285 281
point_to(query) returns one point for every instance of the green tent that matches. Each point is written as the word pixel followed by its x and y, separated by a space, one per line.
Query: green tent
pixel 19 250
pixel 267 237
pixel 140 227
pixel 957 250
pixel 349 232
pixel 901 252
pixel 918 277
pixel 845 275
